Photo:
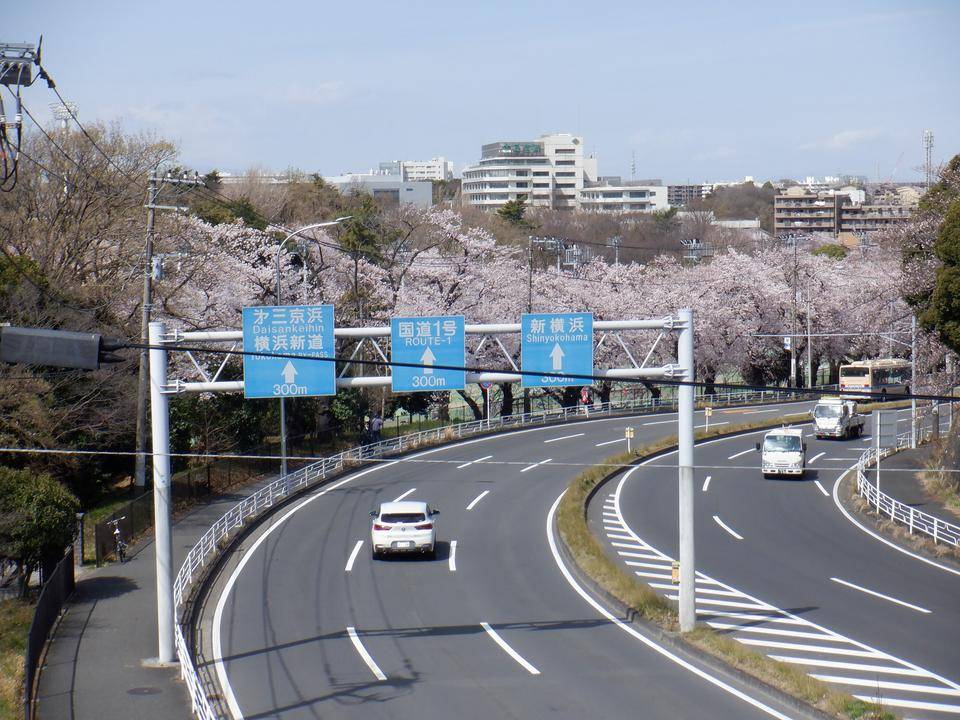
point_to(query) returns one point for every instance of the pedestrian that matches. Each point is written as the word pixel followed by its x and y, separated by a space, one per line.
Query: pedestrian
pixel 366 429
pixel 376 425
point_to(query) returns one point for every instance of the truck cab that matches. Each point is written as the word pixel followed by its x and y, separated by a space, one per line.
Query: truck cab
pixel 783 452
pixel 837 418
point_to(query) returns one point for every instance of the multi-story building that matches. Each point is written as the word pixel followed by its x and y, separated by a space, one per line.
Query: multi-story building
pixel 616 195
pixel 420 170
pixel 389 189
pixel 682 195
pixel 845 213
pixel 547 172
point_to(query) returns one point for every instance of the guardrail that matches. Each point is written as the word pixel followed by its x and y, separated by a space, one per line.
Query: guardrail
pixel 915 520
pixel 214 539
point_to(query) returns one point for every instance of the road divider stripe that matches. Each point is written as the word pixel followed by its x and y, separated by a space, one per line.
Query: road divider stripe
pixel 364 655
pixel 536 464
pixel 821 487
pixel 353 556
pixel 611 442
pixel 911 704
pixel 471 462
pixel 840 665
pixel 775 631
pixel 565 437
pixel 887 684
pixel 406 494
pixel 706 483
pixel 478 498
pixel 726 527
pixel 824 649
pixel 509 650
pixel 881 596
pixel 743 452
pixel 816 457
pixel 453 556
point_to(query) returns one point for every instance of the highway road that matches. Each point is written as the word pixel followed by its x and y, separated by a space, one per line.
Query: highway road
pixel 301 622
pixel 785 572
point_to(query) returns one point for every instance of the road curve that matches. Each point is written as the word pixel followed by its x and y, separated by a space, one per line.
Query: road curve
pixel 874 621
pixel 301 623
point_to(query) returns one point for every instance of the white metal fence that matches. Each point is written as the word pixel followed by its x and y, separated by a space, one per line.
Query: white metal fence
pixel 915 520
pixel 214 539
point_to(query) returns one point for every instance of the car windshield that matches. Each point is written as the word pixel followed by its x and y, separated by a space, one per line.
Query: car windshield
pixel 402 517
pixel 827 411
pixel 781 443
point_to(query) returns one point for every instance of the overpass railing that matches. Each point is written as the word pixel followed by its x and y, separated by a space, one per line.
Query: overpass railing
pixel 216 537
pixel 916 520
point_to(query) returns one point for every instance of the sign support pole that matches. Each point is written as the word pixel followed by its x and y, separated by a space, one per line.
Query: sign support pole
pixel 163 542
pixel 688 611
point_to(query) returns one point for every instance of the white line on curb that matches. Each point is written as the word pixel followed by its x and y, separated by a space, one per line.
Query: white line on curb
pixel 881 595
pixel 453 556
pixel 726 527
pixel 706 483
pixel 353 556
pixel 408 492
pixel 509 650
pixel 367 658
pixel 477 499
pixel 565 437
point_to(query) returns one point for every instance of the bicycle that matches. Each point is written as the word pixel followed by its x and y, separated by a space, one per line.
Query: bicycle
pixel 120 547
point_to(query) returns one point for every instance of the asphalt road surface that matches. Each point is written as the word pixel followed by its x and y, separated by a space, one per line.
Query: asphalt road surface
pixel 303 623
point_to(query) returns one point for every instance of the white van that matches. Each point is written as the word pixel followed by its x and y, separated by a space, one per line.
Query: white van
pixel 783 452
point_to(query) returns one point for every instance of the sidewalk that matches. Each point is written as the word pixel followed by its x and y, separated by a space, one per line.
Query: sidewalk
pixel 93 668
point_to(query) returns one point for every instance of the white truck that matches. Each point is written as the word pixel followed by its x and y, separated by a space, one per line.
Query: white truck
pixel 837 418
pixel 783 452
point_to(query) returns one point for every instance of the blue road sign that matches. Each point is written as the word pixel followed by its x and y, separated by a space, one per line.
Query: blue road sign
pixel 427 341
pixel 556 343
pixel 305 330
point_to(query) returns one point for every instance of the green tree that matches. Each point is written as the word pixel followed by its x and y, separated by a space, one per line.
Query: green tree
pixel 513 211
pixel 942 314
pixel 37 517
pixel 834 251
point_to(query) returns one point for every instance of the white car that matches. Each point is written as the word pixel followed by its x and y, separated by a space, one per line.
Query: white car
pixel 403 527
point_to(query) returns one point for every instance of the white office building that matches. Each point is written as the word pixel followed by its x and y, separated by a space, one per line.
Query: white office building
pixel 388 189
pixel 548 172
pixel 616 195
pixel 420 170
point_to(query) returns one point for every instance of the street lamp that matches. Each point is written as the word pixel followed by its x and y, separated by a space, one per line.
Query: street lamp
pixel 283 410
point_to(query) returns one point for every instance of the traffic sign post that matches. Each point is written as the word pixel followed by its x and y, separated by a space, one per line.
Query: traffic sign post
pixel 428 341
pixel 707 412
pixel 555 343
pixel 884 436
pixel 302 330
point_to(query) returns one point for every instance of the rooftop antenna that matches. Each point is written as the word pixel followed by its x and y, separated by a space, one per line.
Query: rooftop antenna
pixel 633 164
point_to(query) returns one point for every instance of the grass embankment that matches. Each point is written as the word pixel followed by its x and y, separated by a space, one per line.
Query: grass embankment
pixel 592 559
pixel 15 619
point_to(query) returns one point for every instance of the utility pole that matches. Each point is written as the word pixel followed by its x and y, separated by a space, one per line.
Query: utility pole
pixel 793 318
pixel 688 573
pixel 154 187
pixel 913 381
pixel 526 390
pixel 809 344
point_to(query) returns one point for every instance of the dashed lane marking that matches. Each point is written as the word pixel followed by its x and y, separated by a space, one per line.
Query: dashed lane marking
pixel 471 462
pixel 726 527
pixel 564 437
pixel 478 498
pixel 881 595
pixel 739 454
pixel 821 487
pixel 611 442
pixel 816 457
pixel 536 464
pixel 353 556
pixel 509 650
pixel 365 656
pixel 706 483
pixel 406 494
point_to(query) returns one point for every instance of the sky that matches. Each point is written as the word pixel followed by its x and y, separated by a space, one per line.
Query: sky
pixel 692 91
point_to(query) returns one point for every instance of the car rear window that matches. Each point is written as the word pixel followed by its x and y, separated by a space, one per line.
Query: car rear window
pixel 402 517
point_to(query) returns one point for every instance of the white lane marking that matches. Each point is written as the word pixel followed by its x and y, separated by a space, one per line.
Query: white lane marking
pixel 885 684
pixel 713 424
pixel 353 556
pixel 841 665
pixel 509 650
pixel 816 457
pixel 408 492
pixel 762 617
pixel 453 556
pixel 611 442
pixel 822 488
pixel 536 464
pixel 468 464
pixel 848 516
pixel 825 649
pixel 726 527
pixel 706 483
pixel 881 596
pixel 774 631
pixel 739 454
pixel 912 704
pixel 565 437
pixel 477 499
pixel 367 658
pixel 754 412
pixel 636 634
pixel 232 704
pixel 659 422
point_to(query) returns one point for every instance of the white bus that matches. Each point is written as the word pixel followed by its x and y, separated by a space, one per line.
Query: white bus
pixel 886 376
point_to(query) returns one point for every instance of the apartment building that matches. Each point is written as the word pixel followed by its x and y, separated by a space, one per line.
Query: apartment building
pixel 419 170
pixel 846 213
pixel 615 195
pixel 547 172
pixel 682 195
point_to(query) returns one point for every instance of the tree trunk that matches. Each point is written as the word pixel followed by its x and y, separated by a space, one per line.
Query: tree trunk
pixel 474 407
pixel 603 390
pixel 571 395
pixel 654 390
pixel 506 402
